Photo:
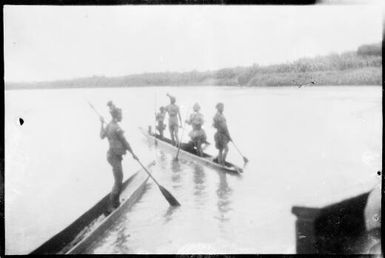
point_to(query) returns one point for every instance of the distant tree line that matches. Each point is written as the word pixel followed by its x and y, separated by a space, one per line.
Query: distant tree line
pixel 361 67
pixel 370 50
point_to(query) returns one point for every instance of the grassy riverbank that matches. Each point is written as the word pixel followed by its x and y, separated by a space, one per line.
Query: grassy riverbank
pixel 360 67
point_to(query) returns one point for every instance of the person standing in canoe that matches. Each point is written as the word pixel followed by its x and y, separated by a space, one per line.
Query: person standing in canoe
pixel 197 135
pixel 118 147
pixel 222 135
pixel 173 115
pixel 160 120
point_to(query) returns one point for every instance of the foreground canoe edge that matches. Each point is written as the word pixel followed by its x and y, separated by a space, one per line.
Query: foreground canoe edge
pixel 337 228
pixel 206 159
pixel 80 233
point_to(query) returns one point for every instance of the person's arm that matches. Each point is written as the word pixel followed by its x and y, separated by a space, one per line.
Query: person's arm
pixel 180 118
pixel 215 122
pixel 226 129
pixel 125 143
pixel 102 129
pixel 228 133
pixel 201 119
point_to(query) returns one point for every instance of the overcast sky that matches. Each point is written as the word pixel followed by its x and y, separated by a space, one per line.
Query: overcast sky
pixel 48 43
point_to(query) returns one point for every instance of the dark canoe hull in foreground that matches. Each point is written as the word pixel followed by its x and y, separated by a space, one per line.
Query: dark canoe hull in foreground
pixel 82 232
pixel 206 159
pixel 338 228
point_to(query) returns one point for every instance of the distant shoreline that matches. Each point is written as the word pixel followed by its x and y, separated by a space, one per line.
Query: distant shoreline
pixel 361 67
pixel 200 86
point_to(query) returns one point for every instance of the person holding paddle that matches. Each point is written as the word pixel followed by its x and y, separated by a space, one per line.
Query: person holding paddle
pixel 159 117
pixel 118 148
pixel 197 135
pixel 222 136
pixel 173 115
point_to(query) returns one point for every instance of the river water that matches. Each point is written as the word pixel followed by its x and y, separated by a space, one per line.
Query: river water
pixel 305 146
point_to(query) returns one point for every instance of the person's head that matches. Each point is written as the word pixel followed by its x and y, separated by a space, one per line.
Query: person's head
pixel 162 109
pixel 116 114
pixel 196 107
pixel 172 100
pixel 110 104
pixel 220 107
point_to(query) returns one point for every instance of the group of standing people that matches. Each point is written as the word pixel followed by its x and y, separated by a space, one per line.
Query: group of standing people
pixel 197 134
pixel 118 145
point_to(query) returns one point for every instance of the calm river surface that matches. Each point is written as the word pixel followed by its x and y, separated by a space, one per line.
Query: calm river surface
pixel 305 146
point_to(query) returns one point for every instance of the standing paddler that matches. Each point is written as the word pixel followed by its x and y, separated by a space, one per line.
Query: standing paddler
pixel 159 117
pixel 118 147
pixel 173 115
pixel 197 135
pixel 222 136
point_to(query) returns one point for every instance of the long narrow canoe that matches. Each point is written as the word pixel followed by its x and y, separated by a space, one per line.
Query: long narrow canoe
pixel 82 232
pixel 187 153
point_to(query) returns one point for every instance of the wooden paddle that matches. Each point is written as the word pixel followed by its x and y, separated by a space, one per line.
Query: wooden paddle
pixel 180 144
pixel 169 197
pixel 244 158
pixel 181 137
pixel 92 106
pixel 155 141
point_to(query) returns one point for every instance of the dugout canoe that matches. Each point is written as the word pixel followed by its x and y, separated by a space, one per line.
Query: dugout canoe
pixel 188 154
pixel 75 238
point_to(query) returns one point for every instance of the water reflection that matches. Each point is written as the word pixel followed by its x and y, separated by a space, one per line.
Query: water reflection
pixel 162 158
pixel 224 201
pixel 167 216
pixel 199 184
pixel 120 243
pixel 175 176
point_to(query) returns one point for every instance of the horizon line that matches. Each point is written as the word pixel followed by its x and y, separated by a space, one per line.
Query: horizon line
pixel 189 71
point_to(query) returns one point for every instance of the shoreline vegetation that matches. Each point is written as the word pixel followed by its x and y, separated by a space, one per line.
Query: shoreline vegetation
pixel 360 67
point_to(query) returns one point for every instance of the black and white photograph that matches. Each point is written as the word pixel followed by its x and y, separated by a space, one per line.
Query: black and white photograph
pixel 193 129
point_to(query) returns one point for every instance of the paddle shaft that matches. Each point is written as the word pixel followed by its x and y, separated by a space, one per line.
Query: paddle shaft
pixel 181 137
pixel 180 143
pixel 95 110
pixel 166 194
pixel 145 169
pixel 155 115
pixel 155 120
pixel 237 149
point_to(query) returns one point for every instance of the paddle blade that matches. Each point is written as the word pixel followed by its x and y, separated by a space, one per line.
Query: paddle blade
pixel 169 197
